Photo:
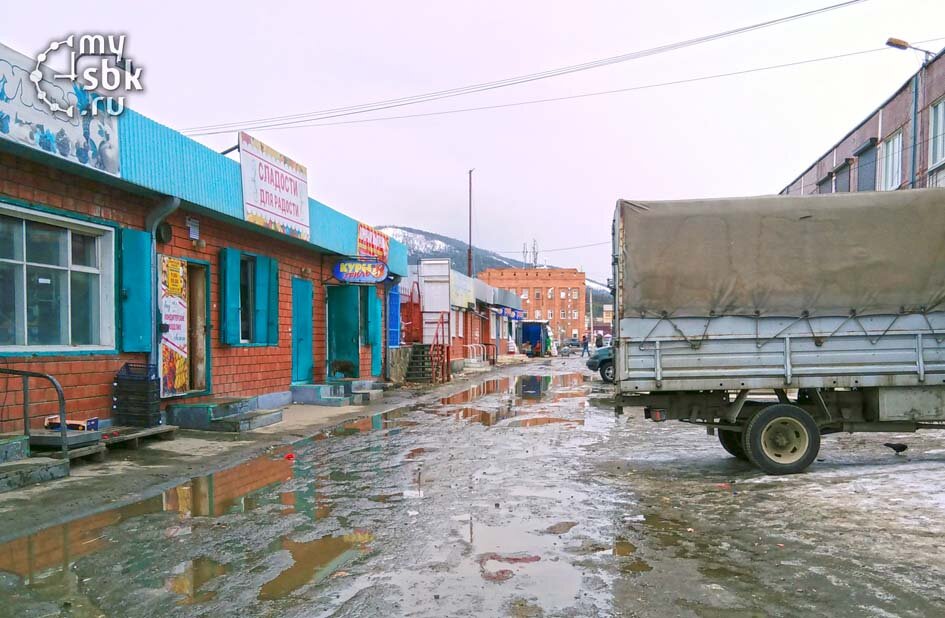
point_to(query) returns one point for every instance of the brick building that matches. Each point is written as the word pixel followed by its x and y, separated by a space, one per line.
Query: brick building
pixel 143 252
pixel 900 145
pixel 468 313
pixel 553 294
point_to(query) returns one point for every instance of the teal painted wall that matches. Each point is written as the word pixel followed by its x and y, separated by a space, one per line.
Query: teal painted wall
pixel 161 159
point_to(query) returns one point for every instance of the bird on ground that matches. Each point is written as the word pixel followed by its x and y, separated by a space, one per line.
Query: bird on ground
pixel 899 448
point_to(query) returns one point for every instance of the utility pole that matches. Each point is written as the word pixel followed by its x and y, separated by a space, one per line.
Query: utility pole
pixel 534 253
pixel 525 255
pixel 590 296
pixel 469 263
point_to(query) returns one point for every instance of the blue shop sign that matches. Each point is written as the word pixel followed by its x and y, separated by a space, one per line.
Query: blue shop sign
pixel 366 271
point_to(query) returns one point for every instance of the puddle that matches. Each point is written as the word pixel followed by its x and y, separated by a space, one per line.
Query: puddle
pixel 623 547
pixel 524 389
pixel 537 421
pixel 313 561
pixel 636 566
pixel 189 577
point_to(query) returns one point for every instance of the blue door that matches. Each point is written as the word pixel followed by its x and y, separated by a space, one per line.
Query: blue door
pixel 301 331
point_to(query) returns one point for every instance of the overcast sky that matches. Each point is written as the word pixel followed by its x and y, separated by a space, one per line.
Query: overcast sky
pixel 552 171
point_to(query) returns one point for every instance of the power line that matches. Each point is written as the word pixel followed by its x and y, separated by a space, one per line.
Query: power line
pixel 582 95
pixel 277 121
pixel 853 166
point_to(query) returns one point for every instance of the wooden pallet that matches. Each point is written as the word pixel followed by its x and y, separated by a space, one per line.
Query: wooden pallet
pixel 130 437
pixel 95 452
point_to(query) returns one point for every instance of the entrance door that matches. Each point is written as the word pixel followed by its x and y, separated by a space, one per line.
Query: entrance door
pixel 301 331
pixel 197 325
pixel 343 331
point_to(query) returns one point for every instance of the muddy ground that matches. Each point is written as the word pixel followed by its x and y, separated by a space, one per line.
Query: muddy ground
pixel 524 496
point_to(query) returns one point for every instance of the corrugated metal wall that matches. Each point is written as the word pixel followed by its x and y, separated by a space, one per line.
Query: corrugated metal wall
pixel 161 159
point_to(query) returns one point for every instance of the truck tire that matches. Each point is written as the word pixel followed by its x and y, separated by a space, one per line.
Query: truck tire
pixel 781 439
pixel 731 441
pixel 607 372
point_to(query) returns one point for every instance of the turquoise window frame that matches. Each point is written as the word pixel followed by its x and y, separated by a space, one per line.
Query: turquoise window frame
pixel 271 318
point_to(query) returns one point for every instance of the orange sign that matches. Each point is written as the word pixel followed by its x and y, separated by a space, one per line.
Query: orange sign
pixel 372 243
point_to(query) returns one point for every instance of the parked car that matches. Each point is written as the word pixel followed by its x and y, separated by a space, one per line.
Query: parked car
pixel 602 360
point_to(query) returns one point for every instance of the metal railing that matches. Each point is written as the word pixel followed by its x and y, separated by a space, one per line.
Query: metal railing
pixel 26 375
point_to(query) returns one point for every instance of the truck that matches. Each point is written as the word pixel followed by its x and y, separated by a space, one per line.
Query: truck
pixel 772 321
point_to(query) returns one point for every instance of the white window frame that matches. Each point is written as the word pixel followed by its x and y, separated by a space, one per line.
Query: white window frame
pixel 460 328
pixel 892 161
pixel 550 313
pixel 537 314
pixel 563 314
pixel 524 293
pixel 106 272
pixel 574 314
pixel 575 293
pixel 551 293
pixel 937 134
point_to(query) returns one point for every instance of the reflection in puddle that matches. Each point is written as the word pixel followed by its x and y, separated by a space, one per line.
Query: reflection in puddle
pixel 525 389
pixel 189 577
pixel 623 547
pixel 536 421
pixel 315 560
pixel 636 566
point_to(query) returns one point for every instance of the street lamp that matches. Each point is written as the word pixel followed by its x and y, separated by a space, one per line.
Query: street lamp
pixel 900 44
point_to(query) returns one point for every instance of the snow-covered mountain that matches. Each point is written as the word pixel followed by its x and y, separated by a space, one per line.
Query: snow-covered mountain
pixel 422 244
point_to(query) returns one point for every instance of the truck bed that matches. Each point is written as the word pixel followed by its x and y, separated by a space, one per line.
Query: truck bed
pixel 735 353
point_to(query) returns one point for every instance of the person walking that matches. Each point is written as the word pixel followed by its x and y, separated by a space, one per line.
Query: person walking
pixel 584 343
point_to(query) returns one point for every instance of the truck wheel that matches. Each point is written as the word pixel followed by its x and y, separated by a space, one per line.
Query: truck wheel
pixel 731 441
pixel 607 372
pixel 781 439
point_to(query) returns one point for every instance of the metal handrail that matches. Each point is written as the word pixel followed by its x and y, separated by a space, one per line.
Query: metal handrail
pixel 26 375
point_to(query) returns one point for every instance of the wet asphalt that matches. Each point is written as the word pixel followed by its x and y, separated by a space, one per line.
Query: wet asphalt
pixel 521 496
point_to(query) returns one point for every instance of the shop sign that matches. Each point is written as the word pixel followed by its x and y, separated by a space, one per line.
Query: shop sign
pixel 174 367
pixel 373 243
pixel 365 271
pixel 83 138
pixel 275 189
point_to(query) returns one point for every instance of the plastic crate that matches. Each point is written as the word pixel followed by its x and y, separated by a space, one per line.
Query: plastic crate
pixel 138 372
pixel 138 388
pixel 137 394
pixel 132 419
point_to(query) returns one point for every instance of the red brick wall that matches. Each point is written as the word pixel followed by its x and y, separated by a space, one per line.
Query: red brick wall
pixel 236 371
pixel 86 380
pixel 519 279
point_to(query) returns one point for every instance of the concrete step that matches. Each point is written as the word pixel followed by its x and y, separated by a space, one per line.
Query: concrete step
pixel 14 447
pixel 371 394
pixel 247 421
pixel 313 393
pixel 15 474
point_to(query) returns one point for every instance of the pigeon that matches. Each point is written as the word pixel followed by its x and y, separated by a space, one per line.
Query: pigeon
pixel 899 448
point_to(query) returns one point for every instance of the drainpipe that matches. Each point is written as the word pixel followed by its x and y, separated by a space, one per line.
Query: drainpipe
pixel 157 215
pixel 915 124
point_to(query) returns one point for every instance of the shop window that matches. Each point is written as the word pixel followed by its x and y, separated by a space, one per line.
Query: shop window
pixel 892 162
pixel 249 293
pixel 56 282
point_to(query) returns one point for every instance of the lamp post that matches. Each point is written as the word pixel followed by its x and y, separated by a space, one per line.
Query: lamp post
pixel 469 264
pixel 916 82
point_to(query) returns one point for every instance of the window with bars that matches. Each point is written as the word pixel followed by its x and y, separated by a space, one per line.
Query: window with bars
pixel 56 282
